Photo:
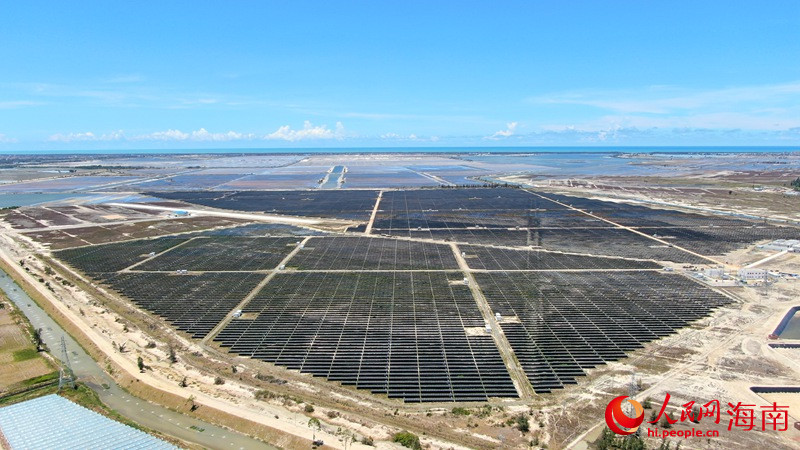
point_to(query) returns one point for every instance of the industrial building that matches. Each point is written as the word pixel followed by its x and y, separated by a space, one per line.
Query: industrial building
pixel 782 245
pixel 752 274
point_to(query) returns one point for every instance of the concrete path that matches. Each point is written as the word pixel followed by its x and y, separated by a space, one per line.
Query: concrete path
pixel 291 220
pixel 515 370
pixel 372 216
pixel 768 258
pixel 229 317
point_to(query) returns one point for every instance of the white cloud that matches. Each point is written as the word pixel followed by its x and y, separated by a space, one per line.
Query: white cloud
pixel 308 132
pixel 7 140
pixel 509 131
pixel 407 137
pixel 713 120
pixel 87 136
pixel 201 135
pixel 169 135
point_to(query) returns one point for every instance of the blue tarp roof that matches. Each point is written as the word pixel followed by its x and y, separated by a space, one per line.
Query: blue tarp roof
pixel 55 422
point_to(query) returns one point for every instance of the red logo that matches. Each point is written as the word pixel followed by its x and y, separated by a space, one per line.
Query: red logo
pixel 615 415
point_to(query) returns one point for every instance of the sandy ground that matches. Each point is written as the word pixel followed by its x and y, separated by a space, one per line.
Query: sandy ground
pixel 791 400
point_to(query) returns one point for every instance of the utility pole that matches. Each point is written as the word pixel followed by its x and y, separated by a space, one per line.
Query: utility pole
pixel 65 374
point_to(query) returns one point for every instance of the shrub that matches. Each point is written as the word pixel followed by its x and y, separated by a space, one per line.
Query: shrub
pixel 263 394
pixel 172 357
pixel 460 411
pixel 523 424
pixel 309 408
pixel 407 439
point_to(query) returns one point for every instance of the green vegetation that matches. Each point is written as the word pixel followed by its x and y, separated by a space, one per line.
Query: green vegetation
pixel 796 184
pixel 608 441
pixel 25 354
pixel 48 377
pixel 407 439
pixel 263 394
pixel 523 424
pixel 27 395
pixel 460 411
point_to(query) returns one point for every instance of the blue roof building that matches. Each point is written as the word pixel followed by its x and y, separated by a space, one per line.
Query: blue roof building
pixel 55 422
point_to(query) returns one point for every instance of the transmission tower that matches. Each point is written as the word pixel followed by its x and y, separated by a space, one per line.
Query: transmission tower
pixel 65 374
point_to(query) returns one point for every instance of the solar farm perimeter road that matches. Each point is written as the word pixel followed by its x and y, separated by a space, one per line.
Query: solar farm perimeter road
pixel 291 220
pixel 140 411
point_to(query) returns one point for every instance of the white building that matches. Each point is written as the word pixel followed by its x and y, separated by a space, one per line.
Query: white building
pixel 752 274
pixel 779 245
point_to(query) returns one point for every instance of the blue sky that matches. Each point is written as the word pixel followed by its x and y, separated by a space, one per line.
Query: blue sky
pixel 234 74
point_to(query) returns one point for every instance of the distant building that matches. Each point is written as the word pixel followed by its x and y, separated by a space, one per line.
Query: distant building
pixel 181 213
pixel 716 272
pixel 752 274
pixel 780 245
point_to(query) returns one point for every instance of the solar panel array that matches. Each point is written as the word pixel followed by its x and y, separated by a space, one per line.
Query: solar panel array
pixel 401 334
pixel 562 323
pixel 609 242
pixel 488 258
pixel 393 316
pixel 705 234
pixel 344 204
pixel 192 303
pixel 492 236
pixel 113 257
pixel 223 253
pixel 456 208
pixel 364 253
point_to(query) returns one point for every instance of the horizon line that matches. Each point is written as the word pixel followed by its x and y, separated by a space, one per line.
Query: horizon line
pixel 423 149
